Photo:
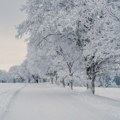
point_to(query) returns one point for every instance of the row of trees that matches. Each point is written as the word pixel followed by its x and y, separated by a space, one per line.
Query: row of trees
pixel 75 38
pixel 72 41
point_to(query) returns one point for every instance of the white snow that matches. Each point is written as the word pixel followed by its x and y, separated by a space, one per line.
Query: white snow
pixel 7 93
pixel 51 102
pixel 113 93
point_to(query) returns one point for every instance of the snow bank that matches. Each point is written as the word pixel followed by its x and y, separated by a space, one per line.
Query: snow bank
pixel 113 93
pixel 7 92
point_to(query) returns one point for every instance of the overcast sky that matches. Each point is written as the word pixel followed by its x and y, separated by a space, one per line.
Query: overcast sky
pixel 12 50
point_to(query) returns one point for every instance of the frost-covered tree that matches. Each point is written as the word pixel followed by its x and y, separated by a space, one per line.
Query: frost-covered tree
pixel 14 73
pixel 97 34
pixel 66 49
pixel 95 26
pixel 4 76
pixel 103 43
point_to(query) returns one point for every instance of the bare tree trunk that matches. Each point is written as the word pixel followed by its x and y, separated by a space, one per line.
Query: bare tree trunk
pixel 91 85
pixel 87 86
pixel 71 81
pixel 63 82
pixel 71 84
pixel 52 80
pixel 29 80
pixel 14 81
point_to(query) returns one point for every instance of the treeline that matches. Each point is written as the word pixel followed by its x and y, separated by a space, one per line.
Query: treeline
pixel 73 42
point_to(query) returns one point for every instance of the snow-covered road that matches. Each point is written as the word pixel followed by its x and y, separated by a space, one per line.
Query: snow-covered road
pixel 49 102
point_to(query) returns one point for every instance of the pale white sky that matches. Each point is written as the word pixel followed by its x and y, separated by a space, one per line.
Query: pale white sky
pixel 12 50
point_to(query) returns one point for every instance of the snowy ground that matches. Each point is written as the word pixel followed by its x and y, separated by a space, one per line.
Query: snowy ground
pixel 50 102
pixel 7 94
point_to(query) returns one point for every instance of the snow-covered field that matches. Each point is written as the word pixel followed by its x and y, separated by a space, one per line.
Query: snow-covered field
pixel 51 102
pixel 113 93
